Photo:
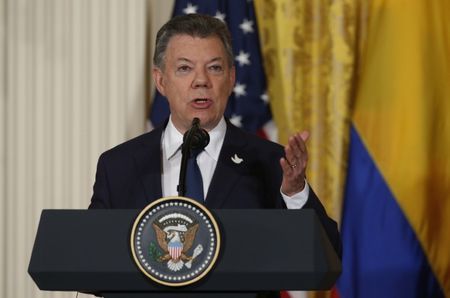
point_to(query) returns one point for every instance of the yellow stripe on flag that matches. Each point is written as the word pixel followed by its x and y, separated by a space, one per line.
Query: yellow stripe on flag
pixel 402 112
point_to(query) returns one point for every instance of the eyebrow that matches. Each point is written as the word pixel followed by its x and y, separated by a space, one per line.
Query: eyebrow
pixel 182 59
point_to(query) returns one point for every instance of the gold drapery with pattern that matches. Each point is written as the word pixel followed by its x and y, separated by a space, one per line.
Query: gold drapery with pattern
pixel 308 49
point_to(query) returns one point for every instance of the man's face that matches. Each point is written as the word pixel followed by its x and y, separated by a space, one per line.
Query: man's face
pixel 196 80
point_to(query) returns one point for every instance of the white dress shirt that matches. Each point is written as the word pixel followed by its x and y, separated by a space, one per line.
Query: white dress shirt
pixel 207 162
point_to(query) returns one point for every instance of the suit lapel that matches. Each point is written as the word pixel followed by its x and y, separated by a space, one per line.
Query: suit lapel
pixel 227 172
pixel 148 163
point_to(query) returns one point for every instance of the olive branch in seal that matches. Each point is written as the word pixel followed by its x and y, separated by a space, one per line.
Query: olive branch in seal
pixel 154 252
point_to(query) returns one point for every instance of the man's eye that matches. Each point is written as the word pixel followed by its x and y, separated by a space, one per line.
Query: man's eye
pixel 216 68
pixel 184 68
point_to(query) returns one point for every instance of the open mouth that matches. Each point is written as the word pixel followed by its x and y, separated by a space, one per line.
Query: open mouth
pixel 201 103
pixel 200 100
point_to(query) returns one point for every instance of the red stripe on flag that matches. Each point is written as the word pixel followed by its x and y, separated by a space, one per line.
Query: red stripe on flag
pixel 334 293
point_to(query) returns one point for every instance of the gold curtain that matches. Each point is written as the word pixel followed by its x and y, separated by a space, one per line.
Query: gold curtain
pixel 308 49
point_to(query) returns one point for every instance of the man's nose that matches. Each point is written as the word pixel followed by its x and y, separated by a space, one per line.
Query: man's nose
pixel 201 79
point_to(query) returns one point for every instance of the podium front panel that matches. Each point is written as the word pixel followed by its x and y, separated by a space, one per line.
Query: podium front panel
pixel 262 250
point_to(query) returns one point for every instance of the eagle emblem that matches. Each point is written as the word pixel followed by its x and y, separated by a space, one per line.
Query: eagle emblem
pixel 175 241
pixel 175 234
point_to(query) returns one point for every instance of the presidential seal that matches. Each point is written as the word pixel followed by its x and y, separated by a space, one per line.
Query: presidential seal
pixel 175 241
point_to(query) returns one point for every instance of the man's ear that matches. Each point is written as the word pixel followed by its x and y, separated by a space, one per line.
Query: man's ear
pixel 159 80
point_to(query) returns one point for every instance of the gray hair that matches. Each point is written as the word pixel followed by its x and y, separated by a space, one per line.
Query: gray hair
pixel 195 25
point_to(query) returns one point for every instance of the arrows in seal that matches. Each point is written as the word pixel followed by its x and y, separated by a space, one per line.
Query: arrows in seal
pixel 197 251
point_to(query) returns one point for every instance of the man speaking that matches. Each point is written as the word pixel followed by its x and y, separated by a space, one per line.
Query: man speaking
pixel 193 69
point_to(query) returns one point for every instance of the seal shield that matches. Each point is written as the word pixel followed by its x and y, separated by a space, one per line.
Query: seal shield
pixel 175 241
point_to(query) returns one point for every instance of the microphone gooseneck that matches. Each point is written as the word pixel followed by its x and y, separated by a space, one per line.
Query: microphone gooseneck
pixel 196 138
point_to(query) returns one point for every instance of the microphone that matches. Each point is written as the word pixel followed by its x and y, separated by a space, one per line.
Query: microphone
pixel 195 138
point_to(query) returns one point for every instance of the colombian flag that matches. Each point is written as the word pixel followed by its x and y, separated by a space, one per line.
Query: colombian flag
pixel 396 214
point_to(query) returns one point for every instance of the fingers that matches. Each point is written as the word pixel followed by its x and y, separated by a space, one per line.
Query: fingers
pixel 295 150
pixel 286 166
pixel 290 156
pixel 294 163
pixel 300 139
pixel 304 135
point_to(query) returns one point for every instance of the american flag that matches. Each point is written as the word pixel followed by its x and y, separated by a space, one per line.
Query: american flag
pixel 248 106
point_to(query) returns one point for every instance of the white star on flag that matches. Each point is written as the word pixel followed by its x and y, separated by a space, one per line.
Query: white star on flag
pixel 246 26
pixel 190 9
pixel 236 120
pixel 239 90
pixel 220 16
pixel 243 58
pixel 265 97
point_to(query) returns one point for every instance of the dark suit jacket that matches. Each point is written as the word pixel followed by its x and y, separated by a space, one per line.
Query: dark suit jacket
pixel 129 176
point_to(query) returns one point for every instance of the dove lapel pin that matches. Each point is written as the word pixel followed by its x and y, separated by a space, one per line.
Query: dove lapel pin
pixel 236 159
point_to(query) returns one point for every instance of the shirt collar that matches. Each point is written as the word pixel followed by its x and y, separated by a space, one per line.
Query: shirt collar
pixel 173 139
